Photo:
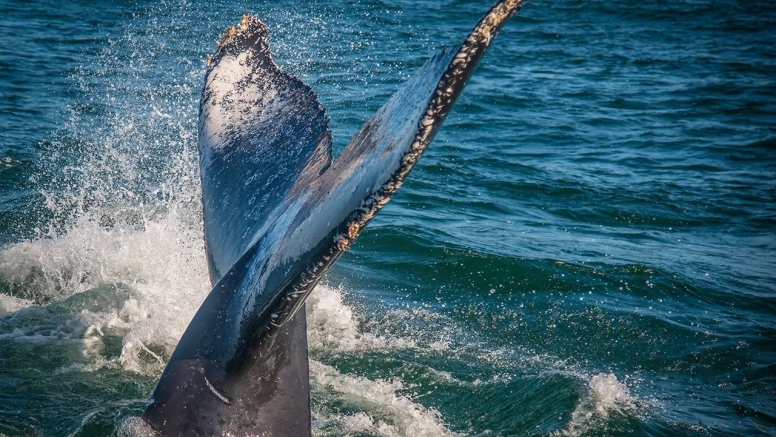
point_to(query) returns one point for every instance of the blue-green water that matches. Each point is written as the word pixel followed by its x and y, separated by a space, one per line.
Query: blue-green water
pixel 587 248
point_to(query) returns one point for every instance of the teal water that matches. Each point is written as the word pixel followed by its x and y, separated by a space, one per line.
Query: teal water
pixel 587 248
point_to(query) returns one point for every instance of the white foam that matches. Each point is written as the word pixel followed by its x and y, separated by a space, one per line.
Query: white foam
pixel 333 326
pixel 10 304
pixel 135 427
pixel 392 414
pixel 605 395
pixel 163 263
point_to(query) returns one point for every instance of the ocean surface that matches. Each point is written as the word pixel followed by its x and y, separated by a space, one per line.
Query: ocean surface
pixel 588 248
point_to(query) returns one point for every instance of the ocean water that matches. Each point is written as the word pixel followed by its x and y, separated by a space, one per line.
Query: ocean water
pixel 588 248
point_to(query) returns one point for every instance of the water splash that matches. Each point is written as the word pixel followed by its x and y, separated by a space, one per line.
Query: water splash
pixel 383 410
pixel 605 396
pixel 10 304
pixel 333 326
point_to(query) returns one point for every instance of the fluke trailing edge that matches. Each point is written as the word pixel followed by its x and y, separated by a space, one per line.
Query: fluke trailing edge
pixel 278 211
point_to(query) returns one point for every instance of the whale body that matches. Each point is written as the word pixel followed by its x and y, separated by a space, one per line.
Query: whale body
pixel 278 211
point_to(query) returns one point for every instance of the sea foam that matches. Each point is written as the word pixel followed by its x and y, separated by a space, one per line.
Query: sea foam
pixel 605 395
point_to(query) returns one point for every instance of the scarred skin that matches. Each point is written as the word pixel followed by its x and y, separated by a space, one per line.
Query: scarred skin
pixel 278 212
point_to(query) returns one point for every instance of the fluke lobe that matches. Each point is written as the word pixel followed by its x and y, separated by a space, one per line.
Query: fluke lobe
pixel 278 211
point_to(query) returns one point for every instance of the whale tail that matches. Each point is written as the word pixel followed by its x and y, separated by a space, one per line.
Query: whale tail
pixel 278 211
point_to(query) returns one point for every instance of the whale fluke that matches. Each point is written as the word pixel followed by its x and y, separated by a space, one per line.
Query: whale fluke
pixel 278 211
